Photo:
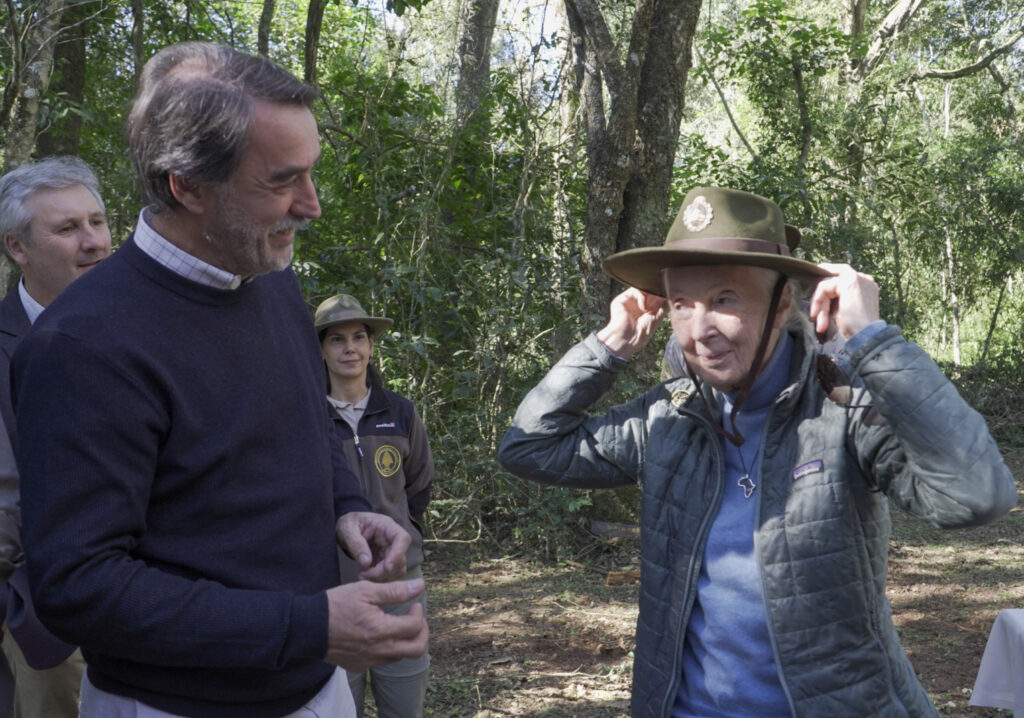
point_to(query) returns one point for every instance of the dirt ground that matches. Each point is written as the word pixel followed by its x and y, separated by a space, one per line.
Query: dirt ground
pixel 511 637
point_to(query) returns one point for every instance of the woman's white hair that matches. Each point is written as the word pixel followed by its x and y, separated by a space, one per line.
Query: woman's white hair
pixel 797 321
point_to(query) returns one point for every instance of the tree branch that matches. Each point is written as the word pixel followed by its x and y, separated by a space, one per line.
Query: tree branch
pixel 805 117
pixel 588 79
pixel 725 105
pixel 895 20
pixel 969 69
pixel 639 41
pixel 602 44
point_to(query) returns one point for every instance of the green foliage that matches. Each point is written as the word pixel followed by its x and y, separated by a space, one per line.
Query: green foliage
pixel 905 178
pixel 447 230
pixel 995 387
pixel 400 6
pixel 764 49
pixel 469 237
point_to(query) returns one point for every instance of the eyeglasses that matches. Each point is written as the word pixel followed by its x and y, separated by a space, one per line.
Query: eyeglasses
pixel 836 384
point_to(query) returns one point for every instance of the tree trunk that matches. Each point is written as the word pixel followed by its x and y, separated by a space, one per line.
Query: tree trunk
pixel 30 77
pixel 314 22
pixel 566 161
pixel 660 102
pixel 63 136
pixel 138 30
pixel 476 28
pixel 899 280
pixel 994 321
pixel 32 38
pixel 631 144
pixel 851 21
pixel 263 34
pixel 806 135
pixel 952 299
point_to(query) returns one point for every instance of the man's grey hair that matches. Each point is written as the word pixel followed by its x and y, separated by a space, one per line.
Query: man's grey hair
pixel 193 110
pixel 50 173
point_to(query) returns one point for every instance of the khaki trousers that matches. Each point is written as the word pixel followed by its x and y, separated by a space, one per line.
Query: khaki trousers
pixel 50 693
pixel 333 701
pixel 400 688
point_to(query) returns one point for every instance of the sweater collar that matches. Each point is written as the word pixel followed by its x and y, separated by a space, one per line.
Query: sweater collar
pixel 772 379
pixel 794 367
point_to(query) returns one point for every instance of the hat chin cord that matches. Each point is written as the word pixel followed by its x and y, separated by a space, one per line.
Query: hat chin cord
pixel 755 368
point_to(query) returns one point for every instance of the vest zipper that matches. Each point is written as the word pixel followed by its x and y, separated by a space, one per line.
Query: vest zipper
pixel 759 462
pixel 691 590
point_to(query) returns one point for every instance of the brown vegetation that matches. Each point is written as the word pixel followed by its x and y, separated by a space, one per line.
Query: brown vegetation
pixel 511 637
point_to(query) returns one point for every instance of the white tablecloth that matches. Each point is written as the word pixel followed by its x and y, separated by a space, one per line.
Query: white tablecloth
pixel 1000 681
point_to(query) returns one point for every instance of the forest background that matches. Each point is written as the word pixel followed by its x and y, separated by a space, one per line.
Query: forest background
pixel 479 159
pixel 481 156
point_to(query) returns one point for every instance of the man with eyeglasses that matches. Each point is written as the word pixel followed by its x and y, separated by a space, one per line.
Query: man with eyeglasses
pixel 765 519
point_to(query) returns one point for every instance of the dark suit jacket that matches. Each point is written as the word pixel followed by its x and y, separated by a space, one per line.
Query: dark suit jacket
pixel 13 326
pixel 41 648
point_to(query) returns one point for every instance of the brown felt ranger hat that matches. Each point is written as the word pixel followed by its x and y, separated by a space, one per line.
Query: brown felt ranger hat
pixel 717 226
pixel 346 308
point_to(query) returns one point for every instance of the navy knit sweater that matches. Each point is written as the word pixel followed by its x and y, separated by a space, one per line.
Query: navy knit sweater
pixel 180 486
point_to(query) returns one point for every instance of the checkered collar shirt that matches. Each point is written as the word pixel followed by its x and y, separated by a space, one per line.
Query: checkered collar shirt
pixel 179 261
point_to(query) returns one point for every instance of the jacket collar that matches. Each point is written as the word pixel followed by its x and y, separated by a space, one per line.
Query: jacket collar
pixel 13 319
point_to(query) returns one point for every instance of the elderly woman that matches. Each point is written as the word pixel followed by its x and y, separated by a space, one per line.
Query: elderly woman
pixel 766 469
pixel 386 446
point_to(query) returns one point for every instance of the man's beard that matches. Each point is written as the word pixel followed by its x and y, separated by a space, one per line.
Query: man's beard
pixel 244 245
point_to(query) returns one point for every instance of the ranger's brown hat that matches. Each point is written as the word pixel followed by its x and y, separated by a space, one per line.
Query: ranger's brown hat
pixel 717 226
pixel 346 308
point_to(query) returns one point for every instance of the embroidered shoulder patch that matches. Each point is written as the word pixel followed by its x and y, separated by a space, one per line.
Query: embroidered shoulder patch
pixel 679 397
pixel 811 467
pixel 387 460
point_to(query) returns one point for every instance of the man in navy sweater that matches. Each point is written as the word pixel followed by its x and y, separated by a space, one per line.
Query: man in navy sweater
pixel 182 493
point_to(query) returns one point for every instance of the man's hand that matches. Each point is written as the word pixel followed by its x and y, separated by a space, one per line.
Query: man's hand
pixel 634 316
pixel 850 298
pixel 360 634
pixel 376 542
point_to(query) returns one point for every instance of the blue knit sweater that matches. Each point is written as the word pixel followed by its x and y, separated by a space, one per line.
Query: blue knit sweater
pixel 728 663
pixel 180 486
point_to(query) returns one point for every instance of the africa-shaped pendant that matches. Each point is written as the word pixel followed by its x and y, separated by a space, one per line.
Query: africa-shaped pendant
pixel 747 485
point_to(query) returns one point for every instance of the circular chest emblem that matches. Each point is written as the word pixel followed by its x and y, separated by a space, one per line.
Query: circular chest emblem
pixel 387 460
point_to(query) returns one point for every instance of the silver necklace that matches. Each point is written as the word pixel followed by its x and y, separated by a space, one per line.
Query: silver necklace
pixel 745 482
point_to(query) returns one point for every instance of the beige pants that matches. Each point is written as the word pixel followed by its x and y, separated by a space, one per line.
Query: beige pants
pixel 50 693
pixel 333 700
